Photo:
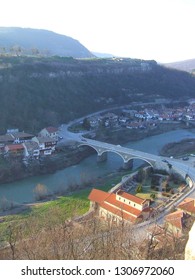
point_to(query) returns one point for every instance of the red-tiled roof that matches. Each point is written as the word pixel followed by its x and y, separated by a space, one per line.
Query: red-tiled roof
pixel 15 147
pixel 108 201
pixel 176 219
pixel 118 212
pixel 111 199
pixel 98 195
pixel 131 197
pixel 188 205
pixel 51 129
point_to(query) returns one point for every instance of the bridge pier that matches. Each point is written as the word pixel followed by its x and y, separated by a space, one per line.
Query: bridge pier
pixel 128 165
pixel 102 157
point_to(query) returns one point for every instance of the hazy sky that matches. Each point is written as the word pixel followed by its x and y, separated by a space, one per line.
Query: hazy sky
pixel 163 30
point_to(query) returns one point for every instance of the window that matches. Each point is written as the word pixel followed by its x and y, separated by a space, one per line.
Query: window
pixel 129 202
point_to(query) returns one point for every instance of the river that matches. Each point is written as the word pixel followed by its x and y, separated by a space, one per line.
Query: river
pixel 22 191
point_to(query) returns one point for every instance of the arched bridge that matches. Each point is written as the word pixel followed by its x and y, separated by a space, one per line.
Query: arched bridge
pixel 125 153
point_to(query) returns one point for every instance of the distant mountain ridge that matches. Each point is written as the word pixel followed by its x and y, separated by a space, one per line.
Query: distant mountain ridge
pixel 185 65
pixel 103 55
pixel 28 40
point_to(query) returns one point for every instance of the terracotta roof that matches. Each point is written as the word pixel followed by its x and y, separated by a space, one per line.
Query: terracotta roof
pixel 111 199
pixel 188 205
pixel 51 129
pixel 15 147
pixel 98 195
pixel 108 201
pixel 131 197
pixel 176 219
pixel 118 212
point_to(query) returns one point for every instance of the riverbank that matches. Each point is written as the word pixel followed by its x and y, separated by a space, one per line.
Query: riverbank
pixel 178 149
pixel 12 170
pixel 124 135
pixel 72 201
pixel 68 155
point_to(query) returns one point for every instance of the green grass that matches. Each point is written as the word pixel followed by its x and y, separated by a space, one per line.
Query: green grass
pixel 144 195
pixel 58 210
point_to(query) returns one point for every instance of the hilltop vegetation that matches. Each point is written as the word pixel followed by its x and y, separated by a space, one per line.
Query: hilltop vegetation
pixel 39 91
pixel 28 41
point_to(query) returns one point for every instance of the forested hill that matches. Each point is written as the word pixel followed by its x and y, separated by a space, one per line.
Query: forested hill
pixel 28 41
pixel 37 92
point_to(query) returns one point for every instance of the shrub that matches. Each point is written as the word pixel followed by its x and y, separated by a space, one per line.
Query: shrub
pixel 40 192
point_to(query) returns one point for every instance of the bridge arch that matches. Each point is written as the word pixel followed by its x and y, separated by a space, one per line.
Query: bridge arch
pixel 143 159
pixel 126 158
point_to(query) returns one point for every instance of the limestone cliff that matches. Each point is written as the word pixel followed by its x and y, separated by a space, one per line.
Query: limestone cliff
pixel 190 246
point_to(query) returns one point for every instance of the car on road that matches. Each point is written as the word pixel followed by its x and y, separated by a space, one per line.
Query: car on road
pixel 185 158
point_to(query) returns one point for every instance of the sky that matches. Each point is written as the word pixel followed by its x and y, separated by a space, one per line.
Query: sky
pixel 162 30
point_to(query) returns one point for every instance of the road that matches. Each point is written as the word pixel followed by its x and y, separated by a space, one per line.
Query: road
pixel 180 166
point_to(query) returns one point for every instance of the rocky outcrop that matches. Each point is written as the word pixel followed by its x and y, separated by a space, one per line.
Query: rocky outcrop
pixel 190 246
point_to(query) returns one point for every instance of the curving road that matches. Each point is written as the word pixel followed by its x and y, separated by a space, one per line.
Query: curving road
pixel 183 168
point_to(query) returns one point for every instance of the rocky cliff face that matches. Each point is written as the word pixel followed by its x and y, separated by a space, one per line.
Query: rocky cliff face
pixel 41 91
pixel 190 246
pixel 96 68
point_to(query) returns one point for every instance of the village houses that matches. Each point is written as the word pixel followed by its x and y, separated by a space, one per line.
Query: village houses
pixel 21 144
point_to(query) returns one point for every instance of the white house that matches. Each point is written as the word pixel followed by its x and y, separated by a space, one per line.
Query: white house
pixel 46 144
pixel 31 149
pixel 49 132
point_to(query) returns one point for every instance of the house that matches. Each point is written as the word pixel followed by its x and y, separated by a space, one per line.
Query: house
pixel 46 145
pixel 177 222
pixel 15 150
pixel 187 206
pixel 6 139
pixel 15 138
pixel 119 207
pixel 31 149
pixel 49 132
pixel 21 137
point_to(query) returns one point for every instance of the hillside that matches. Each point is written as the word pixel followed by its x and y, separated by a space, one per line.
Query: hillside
pixel 37 41
pixel 186 65
pixel 37 92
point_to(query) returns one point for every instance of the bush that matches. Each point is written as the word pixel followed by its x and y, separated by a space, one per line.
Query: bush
pixel 139 188
pixel 40 192
pixel 153 195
